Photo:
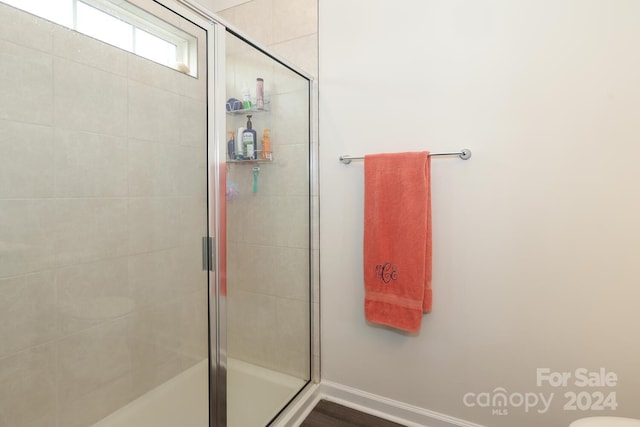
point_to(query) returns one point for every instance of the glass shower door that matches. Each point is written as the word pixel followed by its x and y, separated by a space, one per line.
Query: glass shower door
pixel 268 234
pixel 103 205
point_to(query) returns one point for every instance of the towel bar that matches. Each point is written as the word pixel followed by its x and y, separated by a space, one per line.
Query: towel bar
pixel 464 154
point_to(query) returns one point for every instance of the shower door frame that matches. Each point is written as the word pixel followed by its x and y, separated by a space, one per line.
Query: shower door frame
pixel 215 82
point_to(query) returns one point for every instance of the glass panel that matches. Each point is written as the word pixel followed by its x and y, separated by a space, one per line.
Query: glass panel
pixel 102 26
pixel 103 205
pixel 267 216
pixel 58 11
pixel 155 48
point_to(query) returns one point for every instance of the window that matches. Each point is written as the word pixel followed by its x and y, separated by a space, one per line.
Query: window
pixel 124 26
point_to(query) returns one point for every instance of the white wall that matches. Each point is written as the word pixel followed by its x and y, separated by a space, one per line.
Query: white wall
pixel 536 238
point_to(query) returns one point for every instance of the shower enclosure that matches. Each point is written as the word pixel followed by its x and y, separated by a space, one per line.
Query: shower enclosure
pixel 150 274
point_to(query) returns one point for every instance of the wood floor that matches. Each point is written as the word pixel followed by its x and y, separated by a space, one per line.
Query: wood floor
pixel 329 414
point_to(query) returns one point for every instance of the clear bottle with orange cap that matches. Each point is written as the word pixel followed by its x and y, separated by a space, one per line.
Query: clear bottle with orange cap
pixel 266 146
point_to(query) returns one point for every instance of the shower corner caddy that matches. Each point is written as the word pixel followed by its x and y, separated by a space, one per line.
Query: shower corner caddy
pixel 266 109
pixel 249 161
pixel 253 109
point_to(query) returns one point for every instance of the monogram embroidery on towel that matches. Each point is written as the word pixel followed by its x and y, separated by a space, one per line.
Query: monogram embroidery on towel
pixel 386 272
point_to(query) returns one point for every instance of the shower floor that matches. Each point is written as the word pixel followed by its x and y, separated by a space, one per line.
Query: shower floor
pixel 255 395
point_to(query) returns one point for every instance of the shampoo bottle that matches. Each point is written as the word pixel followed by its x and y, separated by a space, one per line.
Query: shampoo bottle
pixel 249 140
pixel 239 147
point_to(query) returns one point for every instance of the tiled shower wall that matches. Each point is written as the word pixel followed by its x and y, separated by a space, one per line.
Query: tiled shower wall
pixel 102 205
pixel 289 29
pixel 268 230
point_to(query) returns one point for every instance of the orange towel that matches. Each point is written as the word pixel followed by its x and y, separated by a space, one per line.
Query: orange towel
pixel 397 239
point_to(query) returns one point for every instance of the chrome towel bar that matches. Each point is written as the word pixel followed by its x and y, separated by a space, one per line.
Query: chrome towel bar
pixel 464 154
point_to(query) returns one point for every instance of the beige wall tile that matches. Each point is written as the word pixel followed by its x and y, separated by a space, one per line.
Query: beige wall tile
pixel 26 78
pixel 294 18
pixel 290 118
pixel 247 267
pixel 193 328
pixel 89 99
pixel 292 324
pixel 251 325
pixel 193 123
pixel 160 276
pixel 80 48
pixel 166 170
pixel 14 22
pixel 294 363
pixel 277 271
pixel 26 169
pixel 228 14
pixel 27 312
pixel 155 345
pixel 93 369
pixel 286 81
pixel 154 114
pixel 255 20
pixel 27 236
pixel 168 338
pixel 89 164
pixel 147 162
pixel 219 5
pixel 92 293
pixel 287 225
pixel 153 224
pixel 89 229
pixel 28 385
pixel 162 223
pixel 288 273
pixel 288 175
pixel 193 87
pixel 150 73
pixel 302 51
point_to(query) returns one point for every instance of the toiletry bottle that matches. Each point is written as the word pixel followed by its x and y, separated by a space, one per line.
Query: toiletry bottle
pixel 231 146
pixel 266 146
pixel 260 93
pixel 239 147
pixel 249 140
pixel 246 97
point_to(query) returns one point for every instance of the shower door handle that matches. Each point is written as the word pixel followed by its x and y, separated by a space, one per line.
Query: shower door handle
pixel 208 253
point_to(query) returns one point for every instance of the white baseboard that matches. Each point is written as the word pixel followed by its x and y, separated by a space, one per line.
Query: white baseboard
pixel 401 413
